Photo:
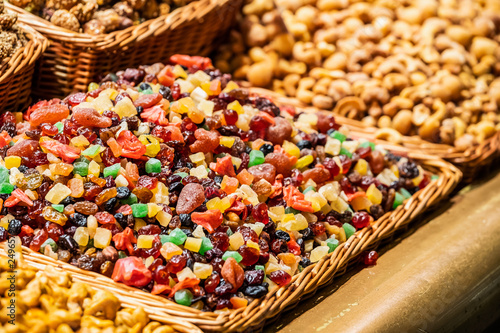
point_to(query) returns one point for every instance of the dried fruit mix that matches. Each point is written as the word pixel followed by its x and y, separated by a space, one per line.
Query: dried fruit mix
pixel 173 179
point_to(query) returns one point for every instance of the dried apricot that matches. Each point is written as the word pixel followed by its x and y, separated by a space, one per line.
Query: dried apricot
pixel 91 118
pixel 318 175
pixel 24 148
pixel 280 131
pixel 265 171
pixel 191 196
pixel 233 273
pixel 206 141
pixel 50 114
pixel 281 162
pixel 147 101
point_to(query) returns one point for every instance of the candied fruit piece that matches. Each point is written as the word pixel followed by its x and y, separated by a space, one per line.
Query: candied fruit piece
pixel 193 244
pixel 12 162
pixel 57 193
pixel 168 250
pixel 202 271
pixel 50 114
pixel 145 241
pixel 81 236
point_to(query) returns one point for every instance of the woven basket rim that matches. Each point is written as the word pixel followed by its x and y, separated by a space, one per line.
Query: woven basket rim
pixel 470 157
pixel 303 283
pixel 26 55
pixel 119 38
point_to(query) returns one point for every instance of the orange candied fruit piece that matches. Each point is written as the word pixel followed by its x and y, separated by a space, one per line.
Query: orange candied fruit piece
pixel 76 187
pixel 229 184
pixel 238 302
pixel 132 171
pixel 245 177
pixel 115 147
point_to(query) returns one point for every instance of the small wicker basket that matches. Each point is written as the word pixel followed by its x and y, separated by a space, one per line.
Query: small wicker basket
pixel 74 60
pixel 473 161
pixel 314 276
pixel 17 74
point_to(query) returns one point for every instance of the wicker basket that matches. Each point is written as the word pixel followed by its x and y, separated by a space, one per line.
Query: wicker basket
pixel 306 282
pixel 74 60
pixel 473 162
pixel 16 74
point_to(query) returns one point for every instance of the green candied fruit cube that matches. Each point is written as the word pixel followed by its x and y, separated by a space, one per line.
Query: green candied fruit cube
pixel 346 152
pixel 232 254
pixel 139 210
pixel 181 174
pixel 367 144
pixel 177 236
pixel 147 92
pixel 404 192
pixel 165 239
pixel 81 168
pixel 332 243
pixel 112 170
pixel 6 188
pixel 132 199
pixel 4 175
pixel 434 177
pixel 261 267
pixel 91 151
pixel 309 188
pixel 49 242
pixel 59 208
pixel 60 126
pixel 291 210
pixel 256 158
pixel 183 297
pixel 122 254
pixel 398 200
pixel 229 232
pixel 349 230
pixel 206 245
pixel 337 135
pixel 153 165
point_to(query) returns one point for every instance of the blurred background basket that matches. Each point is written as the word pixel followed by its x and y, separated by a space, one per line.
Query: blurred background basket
pixel 73 60
pixel 17 74
pixel 473 161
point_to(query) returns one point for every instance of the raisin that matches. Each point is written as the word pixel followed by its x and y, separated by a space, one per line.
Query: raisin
pixel 255 291
pixel 14 227
pixel 86 207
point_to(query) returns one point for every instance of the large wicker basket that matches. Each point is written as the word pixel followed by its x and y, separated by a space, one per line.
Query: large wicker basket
pixel 313 277
pixel 16 72
pixel 473 161
pixel 74 60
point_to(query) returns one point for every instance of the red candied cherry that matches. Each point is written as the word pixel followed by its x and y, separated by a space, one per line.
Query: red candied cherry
pixel 370 258
pixel 360 220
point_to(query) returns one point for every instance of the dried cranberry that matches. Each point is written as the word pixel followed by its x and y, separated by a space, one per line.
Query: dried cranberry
pixel 176 264
pixel 212 282
pixel 259 213
pixel 281 278
pixel 254 277
pixel 360 220
pixel 370 258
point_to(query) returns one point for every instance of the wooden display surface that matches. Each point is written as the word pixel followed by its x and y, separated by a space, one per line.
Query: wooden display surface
pixel 442 277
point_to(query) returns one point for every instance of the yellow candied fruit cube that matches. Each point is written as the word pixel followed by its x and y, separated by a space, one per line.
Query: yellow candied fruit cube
pixel 225 203
pixel 361 167
pixel 199 77
pixel 168 250
pixel 160 194
pixel 102 238
pixel 149 260
pixel 251 243
pixel 145 241
pixel 374 194
pixel 139 223
pixel 257 227
pixel 332 146
pixel 197 158
pixel 92 225
pixel 304 161
pixel 79 141
pixel 198 232
pixel 207 107
pixel 81 236
pixel 110 92
pixel 213 203
pixel 236 106
pixel 395 170
pixel 121 181
pixel 318 253
pixel 271 267
pixel 193 244
pixel 361 203
pixel 246 193
pixel 152 149
pixel 63 169
pixel 199 172
pixel 198 94
pixel 57 193
pixel 178 71
pixel 231 85
pixel 226 141
pixel 185 274
pixel 163 218
pixel 309 118
pixel 196 115
pixel 184 104
pixel 339 205
pixel 288 217
pixel 291 149
pixel 94 168
pixel 235 241
pixel 236 161
pixel 102 103
pixel 278 211
pixel 125 108
pixel 153 209
pixel 202 271
pixel 12 162
pixel 31 194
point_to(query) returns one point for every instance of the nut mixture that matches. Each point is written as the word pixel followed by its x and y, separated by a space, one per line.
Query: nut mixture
pixel 11 37
pixel 49 301
pixel 99 16
pixel 424 67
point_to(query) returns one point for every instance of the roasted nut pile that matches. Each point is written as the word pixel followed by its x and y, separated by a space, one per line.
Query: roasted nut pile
pixel 49 301
pixel 11 37
pixel 98 16
pixel 423 67
pixel 173 179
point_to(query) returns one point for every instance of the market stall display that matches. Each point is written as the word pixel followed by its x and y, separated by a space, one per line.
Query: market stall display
pixel 20 47
pixel 50 300
pixel 173 179
pixel 425 68
pixel 73 59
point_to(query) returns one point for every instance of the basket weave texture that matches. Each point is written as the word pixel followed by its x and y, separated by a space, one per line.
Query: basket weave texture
pixel 17 73
pixel 472 161
pixel 311 278
pixel 73 60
